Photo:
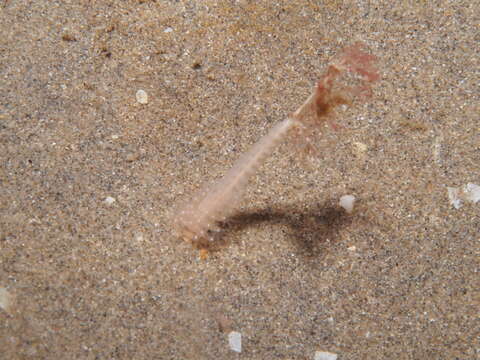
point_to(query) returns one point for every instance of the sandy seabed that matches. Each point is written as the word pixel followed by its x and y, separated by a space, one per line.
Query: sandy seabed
pixel 91 168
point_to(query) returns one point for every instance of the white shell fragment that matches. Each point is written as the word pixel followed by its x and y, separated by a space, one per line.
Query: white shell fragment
pixel 5 299
pixel 454 197
pixel 142 96
pixel 472 192
pixel 235 341
pixel 469 192
pixel 324 355
pixel 347 202
pixel 109 200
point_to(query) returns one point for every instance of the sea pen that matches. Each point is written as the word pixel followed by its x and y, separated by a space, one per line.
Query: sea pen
pixel 196 219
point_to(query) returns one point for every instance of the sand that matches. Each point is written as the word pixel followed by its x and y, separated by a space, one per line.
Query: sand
pixel 91 168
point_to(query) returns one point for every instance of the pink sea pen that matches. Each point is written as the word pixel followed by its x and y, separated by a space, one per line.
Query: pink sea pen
pixel 196 220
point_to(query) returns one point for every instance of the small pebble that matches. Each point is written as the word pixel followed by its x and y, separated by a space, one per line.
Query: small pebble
pixel 235 341
pixel 142 96
pixel 68 37
pixel 324 355
pixel 196 65
pixel 203 255
pixel 360 148
pixel 168 30
pixel 132 157
pixel 224 323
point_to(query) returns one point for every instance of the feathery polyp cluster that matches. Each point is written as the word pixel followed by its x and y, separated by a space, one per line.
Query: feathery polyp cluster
pixel 196 219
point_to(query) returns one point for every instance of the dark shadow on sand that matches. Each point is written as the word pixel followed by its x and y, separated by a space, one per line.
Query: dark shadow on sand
pixel 311 229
